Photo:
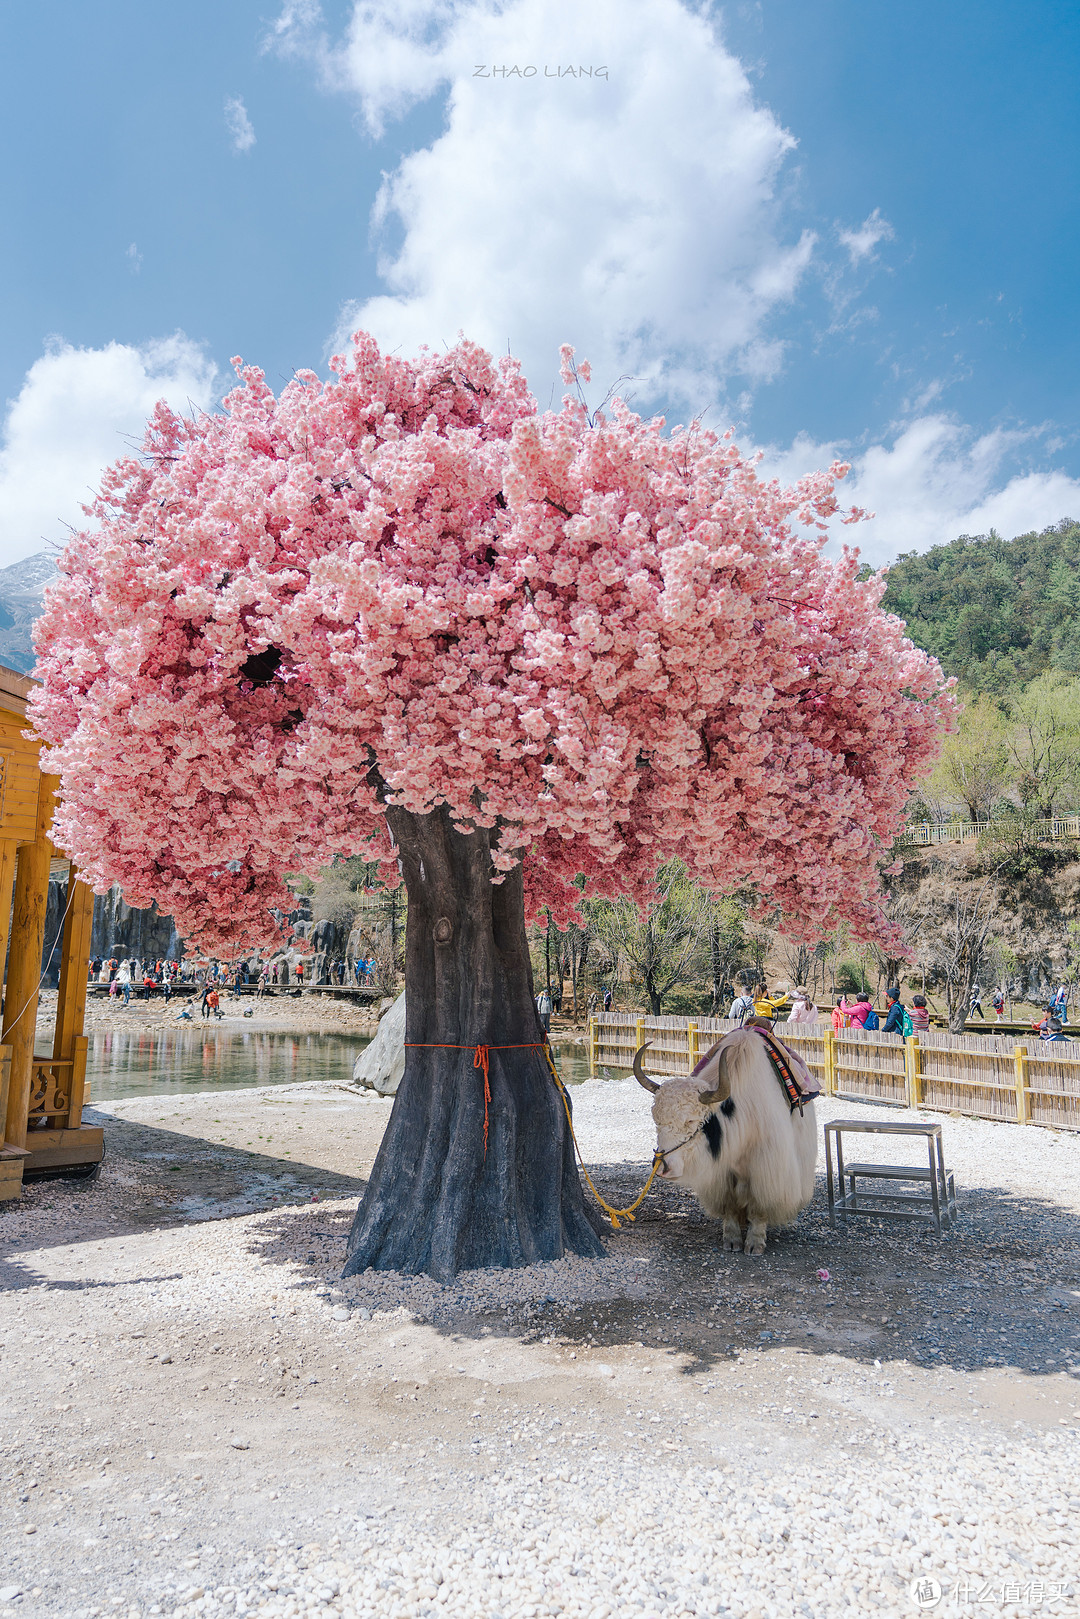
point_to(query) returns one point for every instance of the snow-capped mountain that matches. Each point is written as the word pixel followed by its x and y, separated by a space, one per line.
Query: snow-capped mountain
pixel 21 589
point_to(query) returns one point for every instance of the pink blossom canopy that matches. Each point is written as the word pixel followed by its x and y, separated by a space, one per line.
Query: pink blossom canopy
pixel 607 644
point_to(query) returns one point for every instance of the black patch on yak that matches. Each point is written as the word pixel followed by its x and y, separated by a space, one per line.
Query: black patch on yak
pixel 711 1131
pixel 728 1108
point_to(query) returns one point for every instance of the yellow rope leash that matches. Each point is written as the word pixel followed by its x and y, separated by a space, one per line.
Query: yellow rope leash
pixel 616 1216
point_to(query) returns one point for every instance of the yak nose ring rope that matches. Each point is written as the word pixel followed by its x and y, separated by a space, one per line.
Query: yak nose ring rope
pixel 616 1216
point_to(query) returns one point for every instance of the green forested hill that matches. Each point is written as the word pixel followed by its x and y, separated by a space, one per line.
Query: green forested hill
pixel 996 612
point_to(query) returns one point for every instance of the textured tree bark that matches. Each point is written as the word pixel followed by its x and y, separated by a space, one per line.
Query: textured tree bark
pixel 439 1200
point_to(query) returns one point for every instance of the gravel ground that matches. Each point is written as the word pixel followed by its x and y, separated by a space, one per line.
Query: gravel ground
pixel 199 1418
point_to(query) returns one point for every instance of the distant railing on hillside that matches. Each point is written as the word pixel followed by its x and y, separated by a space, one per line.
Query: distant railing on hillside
pixel 983 1076
pixel 922 833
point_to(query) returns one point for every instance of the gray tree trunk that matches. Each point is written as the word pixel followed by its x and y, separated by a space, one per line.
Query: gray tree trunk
pixel 439 1200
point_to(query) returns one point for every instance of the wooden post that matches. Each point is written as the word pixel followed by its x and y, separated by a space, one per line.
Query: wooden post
pixel 692 1044
pixel 78 1081
pixel 1023 1097
pixel 7 877
pixel 74 956
pixel 24 967
pixel 5 1081
pixel 639 1032
pixel 829 1041
pixel 913 1070
pixel 593 1043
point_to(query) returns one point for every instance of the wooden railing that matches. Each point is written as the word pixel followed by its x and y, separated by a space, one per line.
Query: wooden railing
pixel 58 1089
pixel 923 833
pixel 983 1076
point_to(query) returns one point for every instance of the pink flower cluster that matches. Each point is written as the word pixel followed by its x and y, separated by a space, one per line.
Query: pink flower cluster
pixel 608 644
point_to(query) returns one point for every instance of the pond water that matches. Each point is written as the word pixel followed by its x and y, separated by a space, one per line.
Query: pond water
pixel 173 1062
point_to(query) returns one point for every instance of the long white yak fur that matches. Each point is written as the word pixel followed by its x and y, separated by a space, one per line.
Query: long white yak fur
pixel 753 1163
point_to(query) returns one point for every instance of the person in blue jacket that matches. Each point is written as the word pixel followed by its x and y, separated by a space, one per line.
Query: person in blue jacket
pixel 894 1017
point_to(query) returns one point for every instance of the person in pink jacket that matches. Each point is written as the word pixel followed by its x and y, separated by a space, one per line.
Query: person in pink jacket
pixel 803 1009
pixel 857 1013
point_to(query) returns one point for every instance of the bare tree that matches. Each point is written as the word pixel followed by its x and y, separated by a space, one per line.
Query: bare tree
pixel 958 931
pixel 666 943
pixel 798 958
pixel 907 914
pixel 727 944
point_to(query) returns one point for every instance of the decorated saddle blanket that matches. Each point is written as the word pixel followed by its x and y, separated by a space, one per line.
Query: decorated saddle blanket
pixel 796 1080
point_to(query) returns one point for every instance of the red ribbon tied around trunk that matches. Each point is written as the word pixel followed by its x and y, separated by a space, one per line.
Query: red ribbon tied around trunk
pixel 481 1059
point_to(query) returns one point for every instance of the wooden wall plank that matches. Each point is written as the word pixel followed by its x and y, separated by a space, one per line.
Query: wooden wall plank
pixel 24 965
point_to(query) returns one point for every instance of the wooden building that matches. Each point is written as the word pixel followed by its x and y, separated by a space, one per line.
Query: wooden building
pixel 41 1094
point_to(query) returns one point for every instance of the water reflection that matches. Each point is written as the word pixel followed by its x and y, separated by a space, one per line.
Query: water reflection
pixel 171 1062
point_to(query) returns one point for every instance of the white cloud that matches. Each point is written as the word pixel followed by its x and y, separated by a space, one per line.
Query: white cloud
pixel 634 215
pixel 239 124
pixel 77 411
pixel 935 479
pixel 134 258
pixel 862 241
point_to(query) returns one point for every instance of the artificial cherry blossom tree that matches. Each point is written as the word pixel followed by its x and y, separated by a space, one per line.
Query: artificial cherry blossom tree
pixel 401 612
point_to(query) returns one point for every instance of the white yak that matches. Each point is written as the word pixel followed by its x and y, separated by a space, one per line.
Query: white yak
pixel 730 1134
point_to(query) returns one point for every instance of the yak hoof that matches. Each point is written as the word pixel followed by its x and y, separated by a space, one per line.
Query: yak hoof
pixel 755 1240
pixel 733 1238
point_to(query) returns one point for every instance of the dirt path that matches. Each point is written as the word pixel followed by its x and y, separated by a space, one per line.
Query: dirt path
pixel 197 1417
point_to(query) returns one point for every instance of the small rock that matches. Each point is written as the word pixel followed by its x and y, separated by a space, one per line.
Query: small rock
pixel 240 1444
pixel 341 1313
pixel 8 1593
pixel 165 1360
pixel 29 1528
pixel 604 1370
pixel 364 1314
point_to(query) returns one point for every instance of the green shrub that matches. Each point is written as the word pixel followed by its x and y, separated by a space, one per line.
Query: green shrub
pixel 851 978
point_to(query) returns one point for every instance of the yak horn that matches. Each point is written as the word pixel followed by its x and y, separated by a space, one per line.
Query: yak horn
pixel 723 1086
pixel 639 1073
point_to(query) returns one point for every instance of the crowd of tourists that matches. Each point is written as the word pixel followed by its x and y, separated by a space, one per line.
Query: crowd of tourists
pixel 895 1018
pixel 129 975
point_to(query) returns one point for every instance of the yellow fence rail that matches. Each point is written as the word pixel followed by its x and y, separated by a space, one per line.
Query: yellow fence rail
pixel 982 1076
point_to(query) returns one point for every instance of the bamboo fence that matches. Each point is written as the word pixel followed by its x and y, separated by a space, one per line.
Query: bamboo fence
pixel 984 1076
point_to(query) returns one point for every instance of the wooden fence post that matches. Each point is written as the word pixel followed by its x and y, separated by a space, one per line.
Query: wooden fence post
pixel 1023 1098
pixel 913 1070
pixel 692 1044
pixel 639 1032
pixel 594 1041
pixel 829 1039
pixel 5 1081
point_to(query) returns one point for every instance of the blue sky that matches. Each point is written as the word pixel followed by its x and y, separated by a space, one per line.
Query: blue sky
pixel 847 229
